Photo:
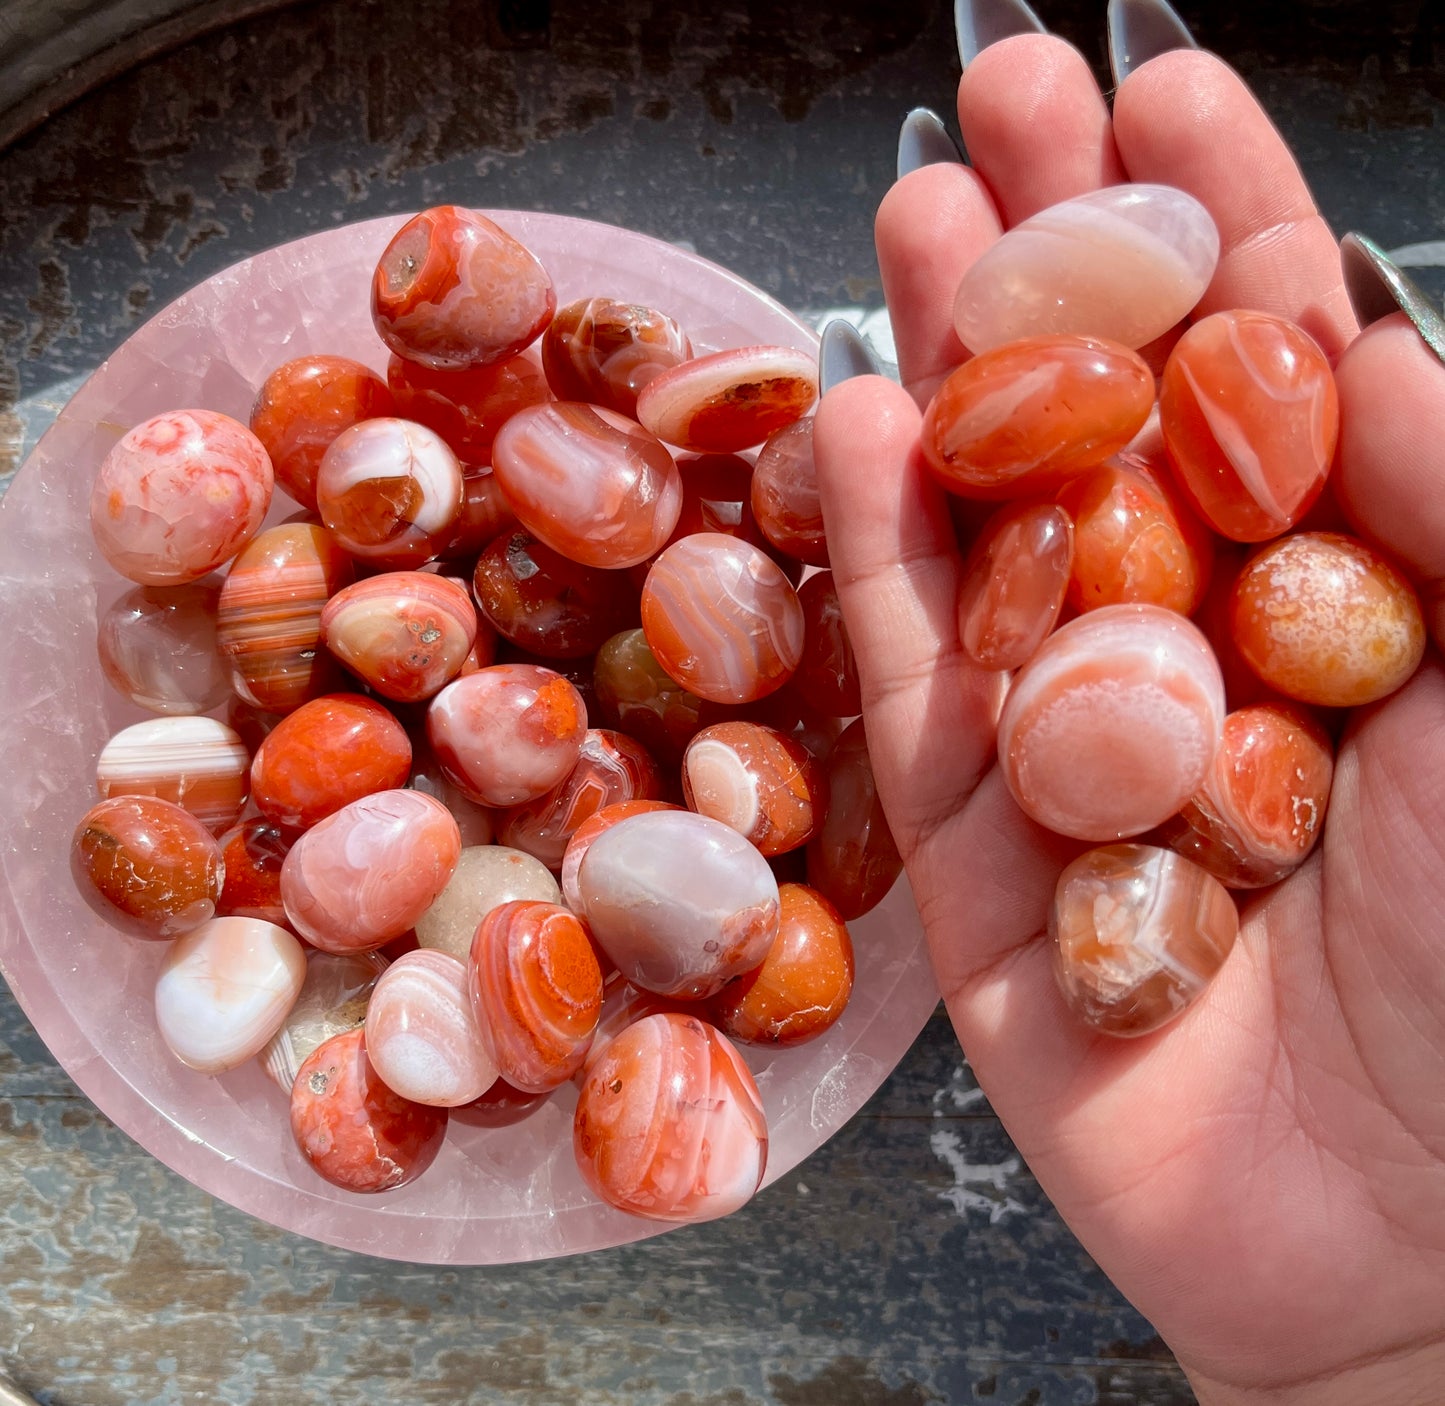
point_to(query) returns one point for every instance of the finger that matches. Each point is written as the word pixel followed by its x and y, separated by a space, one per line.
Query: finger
pixel 1390 475
pixel 1186 119
pixel 931 226
pixel 1036 125
pixel 896 566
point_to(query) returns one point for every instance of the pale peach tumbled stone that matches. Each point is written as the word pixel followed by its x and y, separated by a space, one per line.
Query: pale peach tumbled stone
pixel 1140 932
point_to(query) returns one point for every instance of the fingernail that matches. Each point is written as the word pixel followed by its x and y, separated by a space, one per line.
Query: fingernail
pixel 979 23
pixel 843 355
pixel 1377 288
pixel 1140 30
pixel 923 140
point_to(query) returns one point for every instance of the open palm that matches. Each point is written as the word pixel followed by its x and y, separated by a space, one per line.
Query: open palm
pixel 1265 1178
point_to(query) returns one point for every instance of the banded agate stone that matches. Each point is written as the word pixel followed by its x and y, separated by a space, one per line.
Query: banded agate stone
pixel 669 1123
pixel 1126 262
pixel 1140 932
pixel 157 647
pixel 603 351
pixel 1113 724
pixel 1250 416
pixel 467 407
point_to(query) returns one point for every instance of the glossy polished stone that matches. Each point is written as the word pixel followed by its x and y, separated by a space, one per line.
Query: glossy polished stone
pixel 327 754
pixel 485 877
pixel 253 852
pixel 508 733
pixel 722 619
pixel 391 491
pixel 1140 932
pixel 604 351
pixel 477 823
pixel 827 674
pixel 303 405
pixel 588 831
pixel 1023 417
pixel 784 494
pixel 758 782
pixel 332 1000
pixel 467 407
pixel 1125 262
pixel 268 622
pixel 588 482
pixel 1250 415
pixel 157 648
pixel 146 866
pixel 352 1129
pixel 1325 618
pixel 853 860
pixel 1114 722
pixel 803 984
pixel 638 696
pixel 180 494
pixel 406 633
pixel 669 1123
pixel 421 1034
pixel 199 763
pixel 1015 578
pixel 485 514
pixel 730 400
pixel 678 939
pixel 545 602
pixel 537 991
pixel 610 767
pixel 1135 541
pixel 1262 807
pixel 225 989
pixel 453 289
pixel 364 875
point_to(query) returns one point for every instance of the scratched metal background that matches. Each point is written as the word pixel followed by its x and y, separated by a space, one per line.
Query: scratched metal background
pixel 914 1258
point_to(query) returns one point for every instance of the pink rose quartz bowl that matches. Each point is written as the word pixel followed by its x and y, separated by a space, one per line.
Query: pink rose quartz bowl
pixel 493 1196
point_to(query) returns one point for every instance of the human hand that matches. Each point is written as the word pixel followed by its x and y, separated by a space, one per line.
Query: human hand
pixel 1264 1178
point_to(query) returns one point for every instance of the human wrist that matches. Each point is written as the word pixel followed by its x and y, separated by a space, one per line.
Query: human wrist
pixel 1408 1376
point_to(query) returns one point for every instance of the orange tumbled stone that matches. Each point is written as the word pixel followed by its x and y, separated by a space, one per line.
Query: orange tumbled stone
pixel 1029 414
pixel 1250 417
pixel 1262 806
pixel 804 982
pixel 1140 932
pixel 1324 618
pixel 1134 542
pixel 1014 581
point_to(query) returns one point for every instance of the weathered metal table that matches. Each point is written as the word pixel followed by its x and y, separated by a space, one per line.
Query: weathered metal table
pixel 914 1258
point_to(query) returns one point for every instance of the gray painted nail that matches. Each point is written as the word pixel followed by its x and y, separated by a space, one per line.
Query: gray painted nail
pixel 923 140
pixel 843 355
pixel 979 23
pixel 1377 288
pixel 1140 30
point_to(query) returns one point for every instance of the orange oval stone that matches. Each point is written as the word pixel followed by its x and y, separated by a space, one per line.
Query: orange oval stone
pixel 1029 414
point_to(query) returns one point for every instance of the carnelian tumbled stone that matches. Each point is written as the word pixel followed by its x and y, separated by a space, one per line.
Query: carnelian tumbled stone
pixel 588 482
pixel 467 407
pixel 1028 414
pixel 536 989
pixel 328 753
pixel 303 405
pixel 804 982
pixel 669 1123
pixel 722 619
pixel 784 494
pixel 827 676
pixel 453 289
pixel 353 1130
pixel 147 866
pixel 1324 618
pixel 1262 806
pixel 1134 542
pixel 1140 933
pixel 1250 417
pixel 605 352
pixel 1013 586
pixel 1113 724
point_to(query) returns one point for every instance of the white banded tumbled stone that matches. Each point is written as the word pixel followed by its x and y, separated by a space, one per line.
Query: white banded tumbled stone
pixel 1126 262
